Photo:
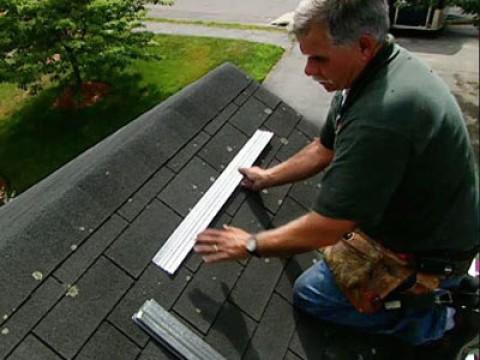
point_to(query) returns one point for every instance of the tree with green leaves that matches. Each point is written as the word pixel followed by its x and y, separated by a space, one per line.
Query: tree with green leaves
pixel 69 41
pixel 471 7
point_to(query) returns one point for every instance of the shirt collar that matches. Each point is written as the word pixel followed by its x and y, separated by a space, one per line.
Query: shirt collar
pixel 383 57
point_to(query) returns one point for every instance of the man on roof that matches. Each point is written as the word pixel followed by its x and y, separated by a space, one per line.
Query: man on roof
pixel 398 208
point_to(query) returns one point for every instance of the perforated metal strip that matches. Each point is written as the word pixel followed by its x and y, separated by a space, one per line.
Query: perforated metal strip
pixel 179 244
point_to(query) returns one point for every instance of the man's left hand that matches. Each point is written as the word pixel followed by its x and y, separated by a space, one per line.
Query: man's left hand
pixel 216 245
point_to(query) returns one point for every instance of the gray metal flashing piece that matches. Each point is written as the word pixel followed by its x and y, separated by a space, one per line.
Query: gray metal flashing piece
pixel 170 332
pixel 181 241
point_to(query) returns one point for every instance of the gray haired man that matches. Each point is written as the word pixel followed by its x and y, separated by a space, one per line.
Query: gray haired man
pixel 399 169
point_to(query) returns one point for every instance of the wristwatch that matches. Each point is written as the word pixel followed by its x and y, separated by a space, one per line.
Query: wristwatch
pixel 251 245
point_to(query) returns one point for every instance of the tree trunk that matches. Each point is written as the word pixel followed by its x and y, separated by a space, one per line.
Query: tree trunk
pixel 75 67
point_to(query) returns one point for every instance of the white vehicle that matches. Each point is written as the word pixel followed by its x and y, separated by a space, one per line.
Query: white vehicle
pixel 416 15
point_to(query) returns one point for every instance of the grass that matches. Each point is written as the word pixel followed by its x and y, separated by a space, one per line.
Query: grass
pixel 10 96
pixel 37 139
pixel 218 24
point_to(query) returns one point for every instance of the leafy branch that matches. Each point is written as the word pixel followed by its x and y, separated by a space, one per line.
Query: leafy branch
pixel 70 41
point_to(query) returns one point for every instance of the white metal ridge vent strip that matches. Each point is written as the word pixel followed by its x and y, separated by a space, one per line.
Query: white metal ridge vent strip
pixel 181 241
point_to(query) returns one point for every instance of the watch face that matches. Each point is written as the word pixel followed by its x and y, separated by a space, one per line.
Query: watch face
pixel 251 245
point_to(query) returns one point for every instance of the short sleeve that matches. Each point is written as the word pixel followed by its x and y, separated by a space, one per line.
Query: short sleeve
pixel 367 168
pixel 327 133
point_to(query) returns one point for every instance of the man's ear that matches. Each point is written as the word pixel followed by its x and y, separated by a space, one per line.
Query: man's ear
pixel 368 46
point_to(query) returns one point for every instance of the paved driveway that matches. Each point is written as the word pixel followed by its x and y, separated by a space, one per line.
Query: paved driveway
pixel 244 11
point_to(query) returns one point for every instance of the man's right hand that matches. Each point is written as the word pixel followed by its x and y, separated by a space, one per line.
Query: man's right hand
pixel 255 178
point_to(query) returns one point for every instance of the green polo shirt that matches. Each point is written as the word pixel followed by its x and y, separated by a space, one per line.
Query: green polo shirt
pixel 403 165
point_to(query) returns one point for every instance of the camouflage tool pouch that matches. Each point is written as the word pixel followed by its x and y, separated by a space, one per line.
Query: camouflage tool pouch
pixel 367 273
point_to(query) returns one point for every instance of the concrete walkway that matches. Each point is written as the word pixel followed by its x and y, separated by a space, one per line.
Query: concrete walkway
pixel 279 38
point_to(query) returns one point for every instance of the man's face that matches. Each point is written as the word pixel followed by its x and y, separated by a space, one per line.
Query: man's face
pixel 333 66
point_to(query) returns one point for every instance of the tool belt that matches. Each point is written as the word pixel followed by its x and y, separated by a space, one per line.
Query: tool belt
pixel 366 272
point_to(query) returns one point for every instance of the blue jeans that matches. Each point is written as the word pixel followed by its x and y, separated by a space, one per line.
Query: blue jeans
pixel 316 293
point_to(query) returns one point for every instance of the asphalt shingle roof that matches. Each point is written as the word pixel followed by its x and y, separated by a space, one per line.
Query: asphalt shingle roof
pixel 76 249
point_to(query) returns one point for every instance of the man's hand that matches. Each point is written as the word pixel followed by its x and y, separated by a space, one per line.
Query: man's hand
pixel 254 178
pixel 216 245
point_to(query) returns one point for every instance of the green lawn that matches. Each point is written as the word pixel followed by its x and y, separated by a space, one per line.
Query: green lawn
pixel 36 139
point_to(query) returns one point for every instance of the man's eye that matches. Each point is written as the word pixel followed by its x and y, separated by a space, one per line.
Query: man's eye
pixel 319 59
